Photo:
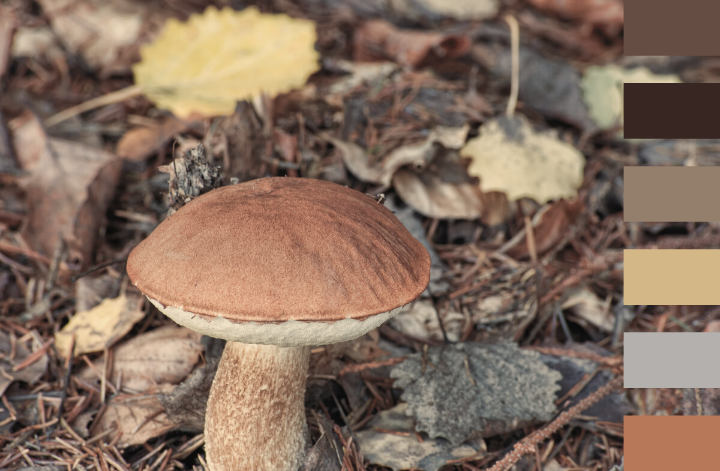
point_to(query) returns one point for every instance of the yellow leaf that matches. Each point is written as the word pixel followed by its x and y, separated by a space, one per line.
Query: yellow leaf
pixel 215 59
pixel 509 156
pixel 100 327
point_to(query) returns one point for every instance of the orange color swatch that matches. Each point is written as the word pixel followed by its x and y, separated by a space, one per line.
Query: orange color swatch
pixel 672 443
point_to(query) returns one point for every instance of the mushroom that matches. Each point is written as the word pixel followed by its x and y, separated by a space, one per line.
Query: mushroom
pixel 275 266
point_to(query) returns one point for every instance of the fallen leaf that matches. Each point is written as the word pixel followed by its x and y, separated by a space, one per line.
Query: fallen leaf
pixel 589 308
pixel 360 73
pixel 186 404
pixel 509 156
pixel 30 374
pixel 92 290
pixel 102 326
pixel 245 144
pixel 551 228
pixel 403 450
pixel 97 30
pixel 215 59
pixel 164 355
pixel 418 155
pixel 595 12
pixel 69 187
pixel 39 43
pixel 602 88
pixel 420 319
pixel 460 9
pixel 380 40
pixel 470 387
pixel 321 457
pixel 443 190
pixel 136 419
pixel 142 142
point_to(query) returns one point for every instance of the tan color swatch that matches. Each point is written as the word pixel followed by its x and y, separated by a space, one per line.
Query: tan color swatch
pixel 672 277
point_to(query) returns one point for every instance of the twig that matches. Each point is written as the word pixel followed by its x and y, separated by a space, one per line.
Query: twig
pixel 108 99
pixel 528 444
pixel 515 50
pixel 96 268
pixel 373 364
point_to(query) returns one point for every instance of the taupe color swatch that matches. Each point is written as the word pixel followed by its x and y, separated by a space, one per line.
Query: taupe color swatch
pixel 671 110
pixel 672 28
pixel 671 359
pixel 672 194
pixel 672 277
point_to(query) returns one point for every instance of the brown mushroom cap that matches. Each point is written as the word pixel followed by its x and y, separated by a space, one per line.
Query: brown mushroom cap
pixel 281 249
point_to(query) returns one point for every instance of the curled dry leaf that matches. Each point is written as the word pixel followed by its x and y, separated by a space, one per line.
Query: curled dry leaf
pixel 69 187
pixel 30 374
pixel 380 40
pixel 136 419
pixel 403 450
pixel 456 390
pixel 420 319
pixel 215 59
pixel 590 309
pixel 509 156
pixel 164 355
pixel 551 229
pixel 142 142
pixel 102 326
pixel 417 155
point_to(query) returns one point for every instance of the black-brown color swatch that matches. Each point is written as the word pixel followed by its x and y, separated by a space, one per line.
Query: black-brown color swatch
pixel 672 28
pixel 671 110
pixel 672 194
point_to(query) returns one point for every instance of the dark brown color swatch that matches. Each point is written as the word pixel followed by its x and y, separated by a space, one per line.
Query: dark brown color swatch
pixel 671 110
pixel 672 194
pixel 672 28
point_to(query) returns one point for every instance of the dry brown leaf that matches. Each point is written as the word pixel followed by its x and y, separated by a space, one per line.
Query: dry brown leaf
pixel 142 142
pixel 420 319
pixel 164 355
pixel 589 308
pixel 136 419
pixel 69 188
pixel 92 290
pixel 552 227
pixel 215 59
pixel 379 40
pixel 595 12
pixel 29 375
pixel 434 198
pixel 99 31
pixel 102 326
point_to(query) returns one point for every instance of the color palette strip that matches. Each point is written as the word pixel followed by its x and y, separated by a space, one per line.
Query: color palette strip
pixel 671 359
pixel 672 277
pixel 671 110
pixel 671 28
pixel 672 194
pixel 671 443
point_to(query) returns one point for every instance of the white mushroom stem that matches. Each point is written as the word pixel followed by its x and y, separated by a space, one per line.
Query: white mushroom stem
pixel 255 419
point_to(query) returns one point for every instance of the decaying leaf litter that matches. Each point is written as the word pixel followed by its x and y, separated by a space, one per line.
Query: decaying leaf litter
pixel 519 206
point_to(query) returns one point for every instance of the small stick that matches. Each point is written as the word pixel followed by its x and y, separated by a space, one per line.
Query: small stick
pixel 108 99
pixel 515 50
